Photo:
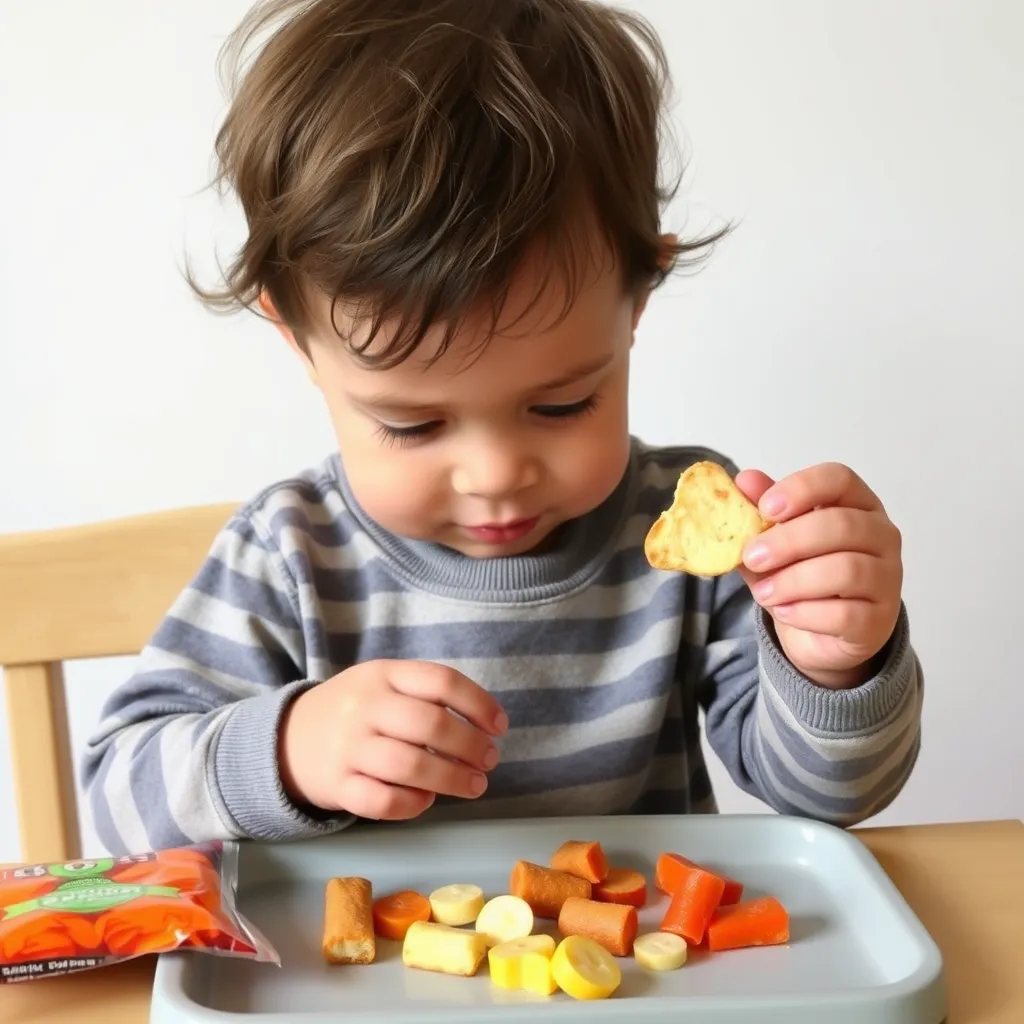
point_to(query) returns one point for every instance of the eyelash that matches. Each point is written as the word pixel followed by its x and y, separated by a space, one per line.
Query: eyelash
pixel 403 436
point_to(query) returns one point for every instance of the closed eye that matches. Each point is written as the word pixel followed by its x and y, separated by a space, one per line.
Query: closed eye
pixel 566 411
pixel 405 435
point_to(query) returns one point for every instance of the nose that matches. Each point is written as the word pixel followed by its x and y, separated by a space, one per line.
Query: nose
pixel 494 470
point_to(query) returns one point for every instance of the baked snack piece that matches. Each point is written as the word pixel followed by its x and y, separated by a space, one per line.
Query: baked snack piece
pixel 348 922
pixel 707 526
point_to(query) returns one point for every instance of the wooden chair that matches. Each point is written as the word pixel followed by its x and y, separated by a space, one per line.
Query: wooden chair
pixel 82 592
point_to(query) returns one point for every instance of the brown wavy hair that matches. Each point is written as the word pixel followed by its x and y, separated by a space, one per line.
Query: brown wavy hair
pixel 401 156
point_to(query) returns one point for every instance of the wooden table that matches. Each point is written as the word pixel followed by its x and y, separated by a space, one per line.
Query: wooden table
pixel 964 881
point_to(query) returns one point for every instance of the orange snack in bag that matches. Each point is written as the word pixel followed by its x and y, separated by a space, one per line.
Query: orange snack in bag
pixel 64 918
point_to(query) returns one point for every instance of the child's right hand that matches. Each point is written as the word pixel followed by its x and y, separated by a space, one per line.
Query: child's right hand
pixel 378 740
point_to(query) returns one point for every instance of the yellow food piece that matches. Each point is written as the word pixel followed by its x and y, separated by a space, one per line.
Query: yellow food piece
pixel 441 947
pixel 584 969
pixel 707 526
pixel 524 964
pixel 505 918
pixel 660 951
pixel 456 904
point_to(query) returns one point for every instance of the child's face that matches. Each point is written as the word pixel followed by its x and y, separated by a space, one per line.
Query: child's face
pixel 489 454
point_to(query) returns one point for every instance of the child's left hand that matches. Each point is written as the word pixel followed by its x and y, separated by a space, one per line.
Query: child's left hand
pixel 829 571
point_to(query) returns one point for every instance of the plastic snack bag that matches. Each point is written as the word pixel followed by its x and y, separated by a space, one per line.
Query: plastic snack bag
pixel 62 918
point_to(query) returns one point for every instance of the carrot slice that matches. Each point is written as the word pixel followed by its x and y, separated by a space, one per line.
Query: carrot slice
pixel 612 925
pixel 395 913
pixel 545 889
pixel 583 859
pixel 693 904
pixel 622 885
pixel 672 869
pixel 759 922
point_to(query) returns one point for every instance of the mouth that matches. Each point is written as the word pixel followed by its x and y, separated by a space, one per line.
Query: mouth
pixel 503 533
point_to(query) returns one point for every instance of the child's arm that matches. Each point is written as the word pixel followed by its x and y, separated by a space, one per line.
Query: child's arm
pixel 834 755
pixel 187 749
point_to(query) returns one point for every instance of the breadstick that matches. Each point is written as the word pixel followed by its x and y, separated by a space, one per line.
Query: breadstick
pixel 348 922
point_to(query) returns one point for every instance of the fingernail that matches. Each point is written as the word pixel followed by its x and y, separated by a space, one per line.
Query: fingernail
pixel 772 503
pixel 500 722
pixel 490 758
pixel 477 784
pixel 763 589
pixel 781 611
pixel 755 555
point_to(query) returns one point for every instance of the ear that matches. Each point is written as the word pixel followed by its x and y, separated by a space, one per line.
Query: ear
pixel 267 305
pixel 666 245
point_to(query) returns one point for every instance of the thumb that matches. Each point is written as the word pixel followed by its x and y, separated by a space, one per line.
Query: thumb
pixel 753 483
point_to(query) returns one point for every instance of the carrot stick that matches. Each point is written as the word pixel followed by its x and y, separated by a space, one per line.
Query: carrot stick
pixel 672 869
pixel 759 922
pixel 612 925
pixel 622 885
pixel 583 859
pixel 693 904
pixel 394 914
pixel 545 889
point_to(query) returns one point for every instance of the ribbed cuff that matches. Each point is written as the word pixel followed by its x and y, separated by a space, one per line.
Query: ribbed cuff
pixel 246 776
pixel 861 708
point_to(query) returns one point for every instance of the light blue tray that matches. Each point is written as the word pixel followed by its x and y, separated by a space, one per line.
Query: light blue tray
pixel 858 954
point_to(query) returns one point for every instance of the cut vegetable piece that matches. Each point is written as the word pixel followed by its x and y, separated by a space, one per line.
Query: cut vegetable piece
pixel 613 925
pixel 392 914
pixel 758 922
pixel 672 870
pixel 660 951
pixel 693 904
pixel 504 918
pixel 584 969
pixel 583 859
pixel 429 946
pixel 545 889
pixel 622 885
pixel 456 904
pixel 524 964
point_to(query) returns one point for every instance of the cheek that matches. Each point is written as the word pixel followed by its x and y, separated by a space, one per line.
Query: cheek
pixel 594 460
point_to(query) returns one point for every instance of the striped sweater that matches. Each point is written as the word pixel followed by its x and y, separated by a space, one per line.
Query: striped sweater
pixel 602 664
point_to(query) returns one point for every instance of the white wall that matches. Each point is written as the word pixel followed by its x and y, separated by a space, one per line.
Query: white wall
pixel 873 155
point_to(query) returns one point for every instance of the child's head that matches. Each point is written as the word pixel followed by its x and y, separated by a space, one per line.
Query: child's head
pixel 453 211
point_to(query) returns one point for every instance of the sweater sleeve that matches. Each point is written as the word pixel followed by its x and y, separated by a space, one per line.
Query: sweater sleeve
pixel 186 749
pixel 834 755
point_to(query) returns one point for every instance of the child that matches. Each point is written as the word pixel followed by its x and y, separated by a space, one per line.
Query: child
pixel 453 219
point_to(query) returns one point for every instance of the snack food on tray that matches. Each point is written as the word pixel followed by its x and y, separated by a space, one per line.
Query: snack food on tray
pixel 62 918
pixel 707 526
pixel 348 921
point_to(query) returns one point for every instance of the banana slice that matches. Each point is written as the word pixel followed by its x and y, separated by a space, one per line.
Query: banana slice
pixel 456 904
pixel 584 969
pixel 660 951
pixel 505 918
pixel 440 947
pixel 524 964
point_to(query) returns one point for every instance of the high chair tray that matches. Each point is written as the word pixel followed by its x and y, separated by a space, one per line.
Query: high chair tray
pixel 857 953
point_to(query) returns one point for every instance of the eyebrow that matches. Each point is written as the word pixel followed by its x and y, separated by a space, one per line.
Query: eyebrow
pixel 388 402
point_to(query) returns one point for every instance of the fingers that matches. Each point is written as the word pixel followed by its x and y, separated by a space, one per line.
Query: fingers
pixel 378 801
pixel 842 574
pixel 430 725
pixel 838 617
pixel 438 684
pixel 753 483
pixel 829 483
pixel 403 764
pixel 820 532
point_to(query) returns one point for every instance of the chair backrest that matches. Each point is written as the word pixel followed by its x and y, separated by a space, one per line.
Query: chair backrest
pixel 81 592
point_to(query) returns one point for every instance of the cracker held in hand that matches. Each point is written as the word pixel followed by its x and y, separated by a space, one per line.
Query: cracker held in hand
pixel 707 526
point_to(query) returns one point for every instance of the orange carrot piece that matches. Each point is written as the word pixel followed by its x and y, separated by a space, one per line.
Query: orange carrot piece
pixel 672 869
pixel 622 885
pixel 693 904
pixel 612 925
pixel 544 888
pixel 758 922
pixel 395 913
pixel 583 859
